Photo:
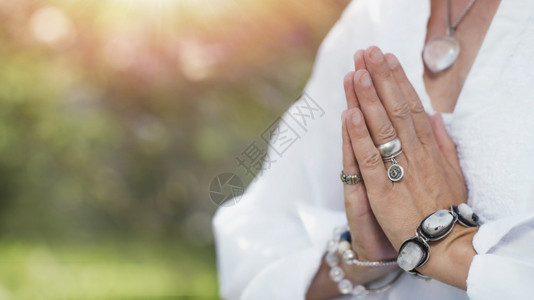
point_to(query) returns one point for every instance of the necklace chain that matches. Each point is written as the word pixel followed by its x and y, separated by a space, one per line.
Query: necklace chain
pixel 452 29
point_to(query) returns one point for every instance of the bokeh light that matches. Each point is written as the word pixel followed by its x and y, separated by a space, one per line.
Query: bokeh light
pixel 50 25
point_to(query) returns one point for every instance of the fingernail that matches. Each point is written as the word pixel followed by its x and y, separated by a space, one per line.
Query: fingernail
pixel 356 117
pixel 376 55
pixel 365 79
pixel 392 61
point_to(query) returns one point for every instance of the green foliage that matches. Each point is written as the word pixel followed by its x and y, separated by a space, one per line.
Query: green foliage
pixel 108 270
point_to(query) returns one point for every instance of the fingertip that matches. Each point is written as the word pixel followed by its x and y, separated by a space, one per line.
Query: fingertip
pixel 437 121
pixel 434 122
pixel 370 49
pixel 347 80
pixel 344 114
pixel 361 77
pixel 439 117
pixel 392 60
pixel 359 53
pixel 374 54
pixel 359 61
pixel 440 132
pixel 356 116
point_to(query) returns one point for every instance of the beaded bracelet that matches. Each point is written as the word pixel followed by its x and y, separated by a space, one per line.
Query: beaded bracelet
pixel 414 252
pixel 341 244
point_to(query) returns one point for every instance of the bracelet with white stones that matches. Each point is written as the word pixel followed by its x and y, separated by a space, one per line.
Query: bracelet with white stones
pixel 414 252
pixel 341 244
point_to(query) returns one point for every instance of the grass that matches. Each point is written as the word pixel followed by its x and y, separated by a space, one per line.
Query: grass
pixel 107 270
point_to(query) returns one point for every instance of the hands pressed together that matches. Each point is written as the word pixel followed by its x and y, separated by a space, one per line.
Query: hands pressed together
pixel 382 106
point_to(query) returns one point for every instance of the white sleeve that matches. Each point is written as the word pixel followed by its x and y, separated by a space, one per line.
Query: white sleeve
pixel 263 247
pixel 269 245
pixel 504 265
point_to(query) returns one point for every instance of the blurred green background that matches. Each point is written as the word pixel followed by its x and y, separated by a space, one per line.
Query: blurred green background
pixel 115 115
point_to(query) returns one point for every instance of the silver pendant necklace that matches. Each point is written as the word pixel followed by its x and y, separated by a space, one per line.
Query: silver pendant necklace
pixel 441 52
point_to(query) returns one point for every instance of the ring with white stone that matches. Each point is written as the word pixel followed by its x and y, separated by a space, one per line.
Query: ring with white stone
pixel 414 252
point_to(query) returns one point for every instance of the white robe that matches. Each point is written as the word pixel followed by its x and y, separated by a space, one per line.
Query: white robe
pixel 270 244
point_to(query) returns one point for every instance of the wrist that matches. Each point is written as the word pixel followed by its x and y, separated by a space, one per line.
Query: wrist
pixel 450 258
pixel 440 249
pixel 352 274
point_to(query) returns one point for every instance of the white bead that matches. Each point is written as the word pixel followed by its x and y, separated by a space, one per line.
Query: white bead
pixel 343 246
pixel 345 286
pixel 332 259
pixel 348 256
pixel 359 291
pixel 410 256
pixel 331 246
pixel 336 274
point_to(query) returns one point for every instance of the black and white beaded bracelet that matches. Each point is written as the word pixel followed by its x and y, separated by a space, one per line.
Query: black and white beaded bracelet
pixel 414 252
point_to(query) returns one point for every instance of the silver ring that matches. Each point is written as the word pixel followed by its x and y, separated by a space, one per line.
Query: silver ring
pixel 390 149
pixel 350 179
pixel 390 158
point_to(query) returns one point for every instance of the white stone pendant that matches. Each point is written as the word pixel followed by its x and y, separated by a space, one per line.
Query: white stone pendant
pixel 440 53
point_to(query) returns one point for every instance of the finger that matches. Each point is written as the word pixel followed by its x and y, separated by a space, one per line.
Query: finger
pixel 369 160
pixel 391 96
pixel 350 166
pixel 359 61
pixel 376 117
pixel 350 94
pixel 421 121
pixel 445 143
pixel 356 203
pixel 365 231
pixel 360 217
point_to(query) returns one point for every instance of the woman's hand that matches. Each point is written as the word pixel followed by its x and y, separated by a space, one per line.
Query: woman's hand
pixel 388 107
pixel 368 240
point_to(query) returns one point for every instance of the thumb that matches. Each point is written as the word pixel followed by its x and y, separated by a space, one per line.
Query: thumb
pixel 445 143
